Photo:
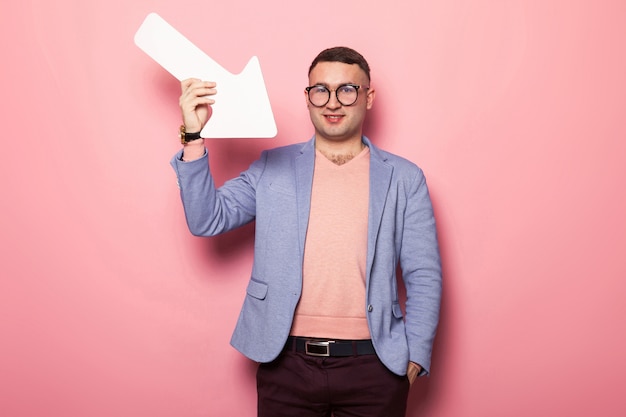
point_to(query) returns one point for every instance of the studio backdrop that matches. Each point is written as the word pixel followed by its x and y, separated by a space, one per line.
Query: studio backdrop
pixel 514 109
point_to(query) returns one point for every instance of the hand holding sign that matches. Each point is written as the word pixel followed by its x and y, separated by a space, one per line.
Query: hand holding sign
pixel 242 108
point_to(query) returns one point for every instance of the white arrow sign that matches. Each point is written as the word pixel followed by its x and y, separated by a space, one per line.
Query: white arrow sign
pixel 242 109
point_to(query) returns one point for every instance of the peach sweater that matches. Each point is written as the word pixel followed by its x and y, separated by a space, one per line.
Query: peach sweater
pixel 333 289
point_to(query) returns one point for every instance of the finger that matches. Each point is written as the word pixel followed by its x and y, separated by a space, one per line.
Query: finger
pixel 198 90
pixel 205 88
pixel 186 83
pixel 193 97
pixel 201 91
pixel 198 101
pixel 191 84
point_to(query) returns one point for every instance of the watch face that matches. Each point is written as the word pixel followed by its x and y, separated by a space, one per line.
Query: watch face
pixel 181 134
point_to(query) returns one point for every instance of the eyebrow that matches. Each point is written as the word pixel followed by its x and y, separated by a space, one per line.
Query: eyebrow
pixel 338 85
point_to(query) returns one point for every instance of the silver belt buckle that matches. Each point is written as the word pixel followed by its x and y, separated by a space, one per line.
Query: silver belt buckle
pixel 317 347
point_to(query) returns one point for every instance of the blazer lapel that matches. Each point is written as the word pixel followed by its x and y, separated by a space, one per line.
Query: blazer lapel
pixel 380 179
pixel 304 166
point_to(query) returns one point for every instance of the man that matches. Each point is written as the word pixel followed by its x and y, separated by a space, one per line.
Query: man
pixel 334 216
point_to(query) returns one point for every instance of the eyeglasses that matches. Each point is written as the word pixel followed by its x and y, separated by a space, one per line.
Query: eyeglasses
pixel 347 94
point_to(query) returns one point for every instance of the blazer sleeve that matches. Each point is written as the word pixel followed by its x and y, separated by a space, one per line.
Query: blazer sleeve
pixel 421 272
pixel 211 210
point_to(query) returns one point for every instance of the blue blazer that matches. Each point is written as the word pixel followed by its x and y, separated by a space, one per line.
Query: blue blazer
pixel 275 191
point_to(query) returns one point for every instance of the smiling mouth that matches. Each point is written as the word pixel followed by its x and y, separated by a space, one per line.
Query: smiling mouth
pixel 333 117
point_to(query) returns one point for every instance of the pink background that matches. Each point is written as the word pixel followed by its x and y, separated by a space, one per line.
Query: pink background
pixel 514 109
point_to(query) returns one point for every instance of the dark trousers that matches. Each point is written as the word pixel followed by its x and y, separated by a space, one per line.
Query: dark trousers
pixel 298 385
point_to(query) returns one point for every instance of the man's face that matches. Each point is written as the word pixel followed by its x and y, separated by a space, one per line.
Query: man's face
pixel 334 121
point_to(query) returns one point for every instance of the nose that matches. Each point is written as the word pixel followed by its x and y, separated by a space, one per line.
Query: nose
pixel 333 103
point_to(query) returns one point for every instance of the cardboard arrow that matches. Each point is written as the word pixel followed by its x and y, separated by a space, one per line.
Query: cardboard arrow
pixel 242 108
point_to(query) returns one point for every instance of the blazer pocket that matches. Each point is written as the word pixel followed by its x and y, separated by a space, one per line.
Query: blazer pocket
pixel 257 289
pixel 283 189
pixel 397 310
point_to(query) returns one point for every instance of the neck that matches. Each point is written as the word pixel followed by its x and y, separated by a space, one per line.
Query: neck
pixel 339 152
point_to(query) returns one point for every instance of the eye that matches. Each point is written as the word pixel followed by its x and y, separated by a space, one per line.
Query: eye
pixel 319 89
pixel 347 89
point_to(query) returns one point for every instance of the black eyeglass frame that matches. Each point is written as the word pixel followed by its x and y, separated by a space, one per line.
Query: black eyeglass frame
pixel 336 90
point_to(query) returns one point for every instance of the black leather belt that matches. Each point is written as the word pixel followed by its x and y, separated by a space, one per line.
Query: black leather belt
pixel 325 347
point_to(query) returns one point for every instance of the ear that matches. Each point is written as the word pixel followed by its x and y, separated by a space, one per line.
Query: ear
pixel 306 98
pixel 371 95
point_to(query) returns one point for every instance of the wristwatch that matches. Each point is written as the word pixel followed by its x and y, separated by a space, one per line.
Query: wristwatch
pixel 187 137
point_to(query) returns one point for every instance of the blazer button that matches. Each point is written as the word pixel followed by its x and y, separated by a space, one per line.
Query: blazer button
pixel 370 308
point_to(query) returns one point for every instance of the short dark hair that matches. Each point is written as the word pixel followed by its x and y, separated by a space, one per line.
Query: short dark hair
pixel 341 54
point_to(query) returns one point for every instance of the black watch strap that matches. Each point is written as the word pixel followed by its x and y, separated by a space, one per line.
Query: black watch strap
pixel 186 137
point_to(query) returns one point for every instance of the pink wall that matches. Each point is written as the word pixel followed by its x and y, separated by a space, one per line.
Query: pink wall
pixel 515 110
